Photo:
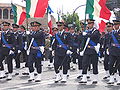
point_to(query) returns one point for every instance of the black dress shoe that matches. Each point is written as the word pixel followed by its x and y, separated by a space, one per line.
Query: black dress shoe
pixel 79 77
pixel 110 83
pixel 94 82
pixel 35 74
pixel 16 73
pixel 63 81
pixel 105 78
pixel 88 77
pixel 56 81
pixel 30 80
pixel 6 72
pixel 8 79
pixel 68 75
pixel 25 73
pixel 83 82
pixel 118 83
pixel 2 77
pixel 37 80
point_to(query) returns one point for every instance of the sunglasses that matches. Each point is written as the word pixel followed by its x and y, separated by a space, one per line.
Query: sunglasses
pixel 116 23
pixel 109 26
pixel 59 25
pixel 90 22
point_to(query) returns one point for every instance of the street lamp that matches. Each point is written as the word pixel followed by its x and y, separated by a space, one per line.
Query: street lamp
pixel 75 11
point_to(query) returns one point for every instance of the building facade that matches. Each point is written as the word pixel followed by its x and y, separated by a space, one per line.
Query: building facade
pixel 7 15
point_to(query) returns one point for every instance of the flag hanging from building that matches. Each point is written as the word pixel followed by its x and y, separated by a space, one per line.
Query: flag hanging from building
pixel 36 8
pixel 19 14
pixel 49 11
pixel 97 8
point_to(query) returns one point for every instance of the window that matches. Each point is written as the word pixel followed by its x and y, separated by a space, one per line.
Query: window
pixel 5 14
pixel 0 13
pixel 11 14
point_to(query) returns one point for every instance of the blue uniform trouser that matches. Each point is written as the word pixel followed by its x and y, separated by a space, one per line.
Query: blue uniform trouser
pixel 61 61
pixel 33 59
pixel 114 64
pixel 90 59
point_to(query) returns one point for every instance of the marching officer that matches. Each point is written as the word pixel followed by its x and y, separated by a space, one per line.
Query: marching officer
pixel 109 28
pixel 24 44
pixel 79 49
pixel 114 53
pixel 74 45
pixel 24 48
pixel 35 50
pixel 90 54
pixel 7 40
pixel 17 45
pixel 61 50
pixel 52 39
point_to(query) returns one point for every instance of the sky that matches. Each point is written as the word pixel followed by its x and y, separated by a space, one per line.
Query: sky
pixel 63 5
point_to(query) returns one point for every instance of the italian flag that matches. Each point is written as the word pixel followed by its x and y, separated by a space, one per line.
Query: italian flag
pixel 97 8
pixel 49 11
pixel 102 25
pixel 36 8
pixel 19 14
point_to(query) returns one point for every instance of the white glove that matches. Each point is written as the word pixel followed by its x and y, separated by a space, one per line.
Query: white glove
pixel 42 49
pixel 77 50
pixel 25 48
pixel 81 53
pixel 50 49
pixel 69 52
pixel 11 52
pixel 27 32
pixel 53 53
pixel 84 33
pixel 28 52
pixel 97 48
pixel 107 51
pixel 19 51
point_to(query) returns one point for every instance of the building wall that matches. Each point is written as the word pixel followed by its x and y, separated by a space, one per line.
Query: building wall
pixel 6 15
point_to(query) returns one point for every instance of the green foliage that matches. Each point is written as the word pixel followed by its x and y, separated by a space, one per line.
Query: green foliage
pixel 72 19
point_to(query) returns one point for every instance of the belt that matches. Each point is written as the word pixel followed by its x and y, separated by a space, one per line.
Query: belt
pixel 7 45
pixel 35 47
pixel 115 45
pixel 61 45
pixel 92 47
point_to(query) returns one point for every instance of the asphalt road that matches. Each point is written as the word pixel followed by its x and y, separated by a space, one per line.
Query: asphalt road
pixel 20 82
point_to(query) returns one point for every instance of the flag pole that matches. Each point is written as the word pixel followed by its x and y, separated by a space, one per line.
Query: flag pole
pixel 27 23
pixel 85 18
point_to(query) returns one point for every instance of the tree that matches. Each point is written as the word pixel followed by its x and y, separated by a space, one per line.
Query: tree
pixel 72 19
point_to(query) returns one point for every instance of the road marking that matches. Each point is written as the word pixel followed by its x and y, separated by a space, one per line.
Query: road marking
pixel 51 81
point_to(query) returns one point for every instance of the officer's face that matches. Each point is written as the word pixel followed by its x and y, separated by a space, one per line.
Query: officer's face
pixel 21 29
pixel 116 26
pixel 60 27
pixel 35 28
pixel 90 25
pixel 55 31
pixel 15 29
pixel 6 27
pixel 71 30
pixel 109 28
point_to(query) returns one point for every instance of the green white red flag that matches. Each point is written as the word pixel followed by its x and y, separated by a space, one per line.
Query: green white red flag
pixel 19 14
pixel 49 11
pixel 97 8
pixel 36 8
